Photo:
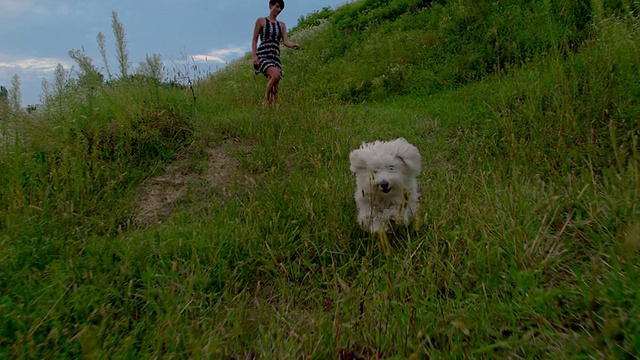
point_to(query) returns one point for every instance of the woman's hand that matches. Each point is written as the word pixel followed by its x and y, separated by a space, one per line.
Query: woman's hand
pixel 292 45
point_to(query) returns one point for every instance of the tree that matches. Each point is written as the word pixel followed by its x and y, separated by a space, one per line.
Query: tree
pixel 14 94
pixel 103 53
pixel 61 83
pixel 122 53
pixel 151 68
pixel 10 99
pixel 4 95
pixel 89 76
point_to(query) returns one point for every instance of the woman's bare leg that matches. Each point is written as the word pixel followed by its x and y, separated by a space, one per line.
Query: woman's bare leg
pixel 272 86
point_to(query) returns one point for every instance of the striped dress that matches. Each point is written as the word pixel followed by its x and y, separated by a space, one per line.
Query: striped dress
pixel 269 50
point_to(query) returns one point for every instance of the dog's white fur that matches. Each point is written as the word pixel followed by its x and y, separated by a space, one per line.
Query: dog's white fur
pixel 387 189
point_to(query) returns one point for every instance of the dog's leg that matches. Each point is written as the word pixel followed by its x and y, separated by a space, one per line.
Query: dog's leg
pixel 368 220
pixel 375 226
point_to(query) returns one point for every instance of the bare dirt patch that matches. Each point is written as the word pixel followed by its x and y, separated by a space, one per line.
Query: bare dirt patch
pixel 157 195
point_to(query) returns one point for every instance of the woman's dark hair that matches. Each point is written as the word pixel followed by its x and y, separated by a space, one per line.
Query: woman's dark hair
pixel 279 2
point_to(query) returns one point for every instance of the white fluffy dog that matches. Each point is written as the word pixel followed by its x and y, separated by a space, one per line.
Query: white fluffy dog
pixel 387 190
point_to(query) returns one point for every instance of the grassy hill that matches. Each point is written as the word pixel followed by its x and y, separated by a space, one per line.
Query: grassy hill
pixel 141 218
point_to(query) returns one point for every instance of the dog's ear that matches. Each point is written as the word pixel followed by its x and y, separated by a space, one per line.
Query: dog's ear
pixel 409 155
pixel 358 160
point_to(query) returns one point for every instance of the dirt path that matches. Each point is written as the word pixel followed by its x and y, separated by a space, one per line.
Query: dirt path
pixel 158 194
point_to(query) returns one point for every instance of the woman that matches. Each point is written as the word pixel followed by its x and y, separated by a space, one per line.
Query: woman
pixel 266 57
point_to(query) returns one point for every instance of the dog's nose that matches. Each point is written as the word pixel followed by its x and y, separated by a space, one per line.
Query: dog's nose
pixel 385 186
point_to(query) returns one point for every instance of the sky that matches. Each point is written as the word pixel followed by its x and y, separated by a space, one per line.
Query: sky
pixel 37 35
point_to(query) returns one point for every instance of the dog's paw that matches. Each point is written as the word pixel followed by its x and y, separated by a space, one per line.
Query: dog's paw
pixel 371 224
pixel 375 228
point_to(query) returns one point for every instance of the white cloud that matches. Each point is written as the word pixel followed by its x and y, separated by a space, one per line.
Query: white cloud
pixel 175 2
pixel 30 65
pixel 220 55
pixel 9 9
pixel 31 71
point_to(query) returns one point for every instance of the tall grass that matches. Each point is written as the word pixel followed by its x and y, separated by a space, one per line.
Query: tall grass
pixel 526 244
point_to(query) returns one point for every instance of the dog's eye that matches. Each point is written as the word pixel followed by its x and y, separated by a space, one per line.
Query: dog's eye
pixel 390 167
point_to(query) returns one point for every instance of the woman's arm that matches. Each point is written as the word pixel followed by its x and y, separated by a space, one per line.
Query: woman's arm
pixel 254 41
pixel 285 39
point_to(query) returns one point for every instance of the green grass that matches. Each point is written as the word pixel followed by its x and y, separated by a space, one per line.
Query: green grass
pixel 526 245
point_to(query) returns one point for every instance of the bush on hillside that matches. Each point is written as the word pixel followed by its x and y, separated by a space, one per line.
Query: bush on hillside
pixel 382 48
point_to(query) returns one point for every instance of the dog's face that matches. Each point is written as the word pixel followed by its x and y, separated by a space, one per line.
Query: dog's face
pixel 387 174
pixel 385 167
